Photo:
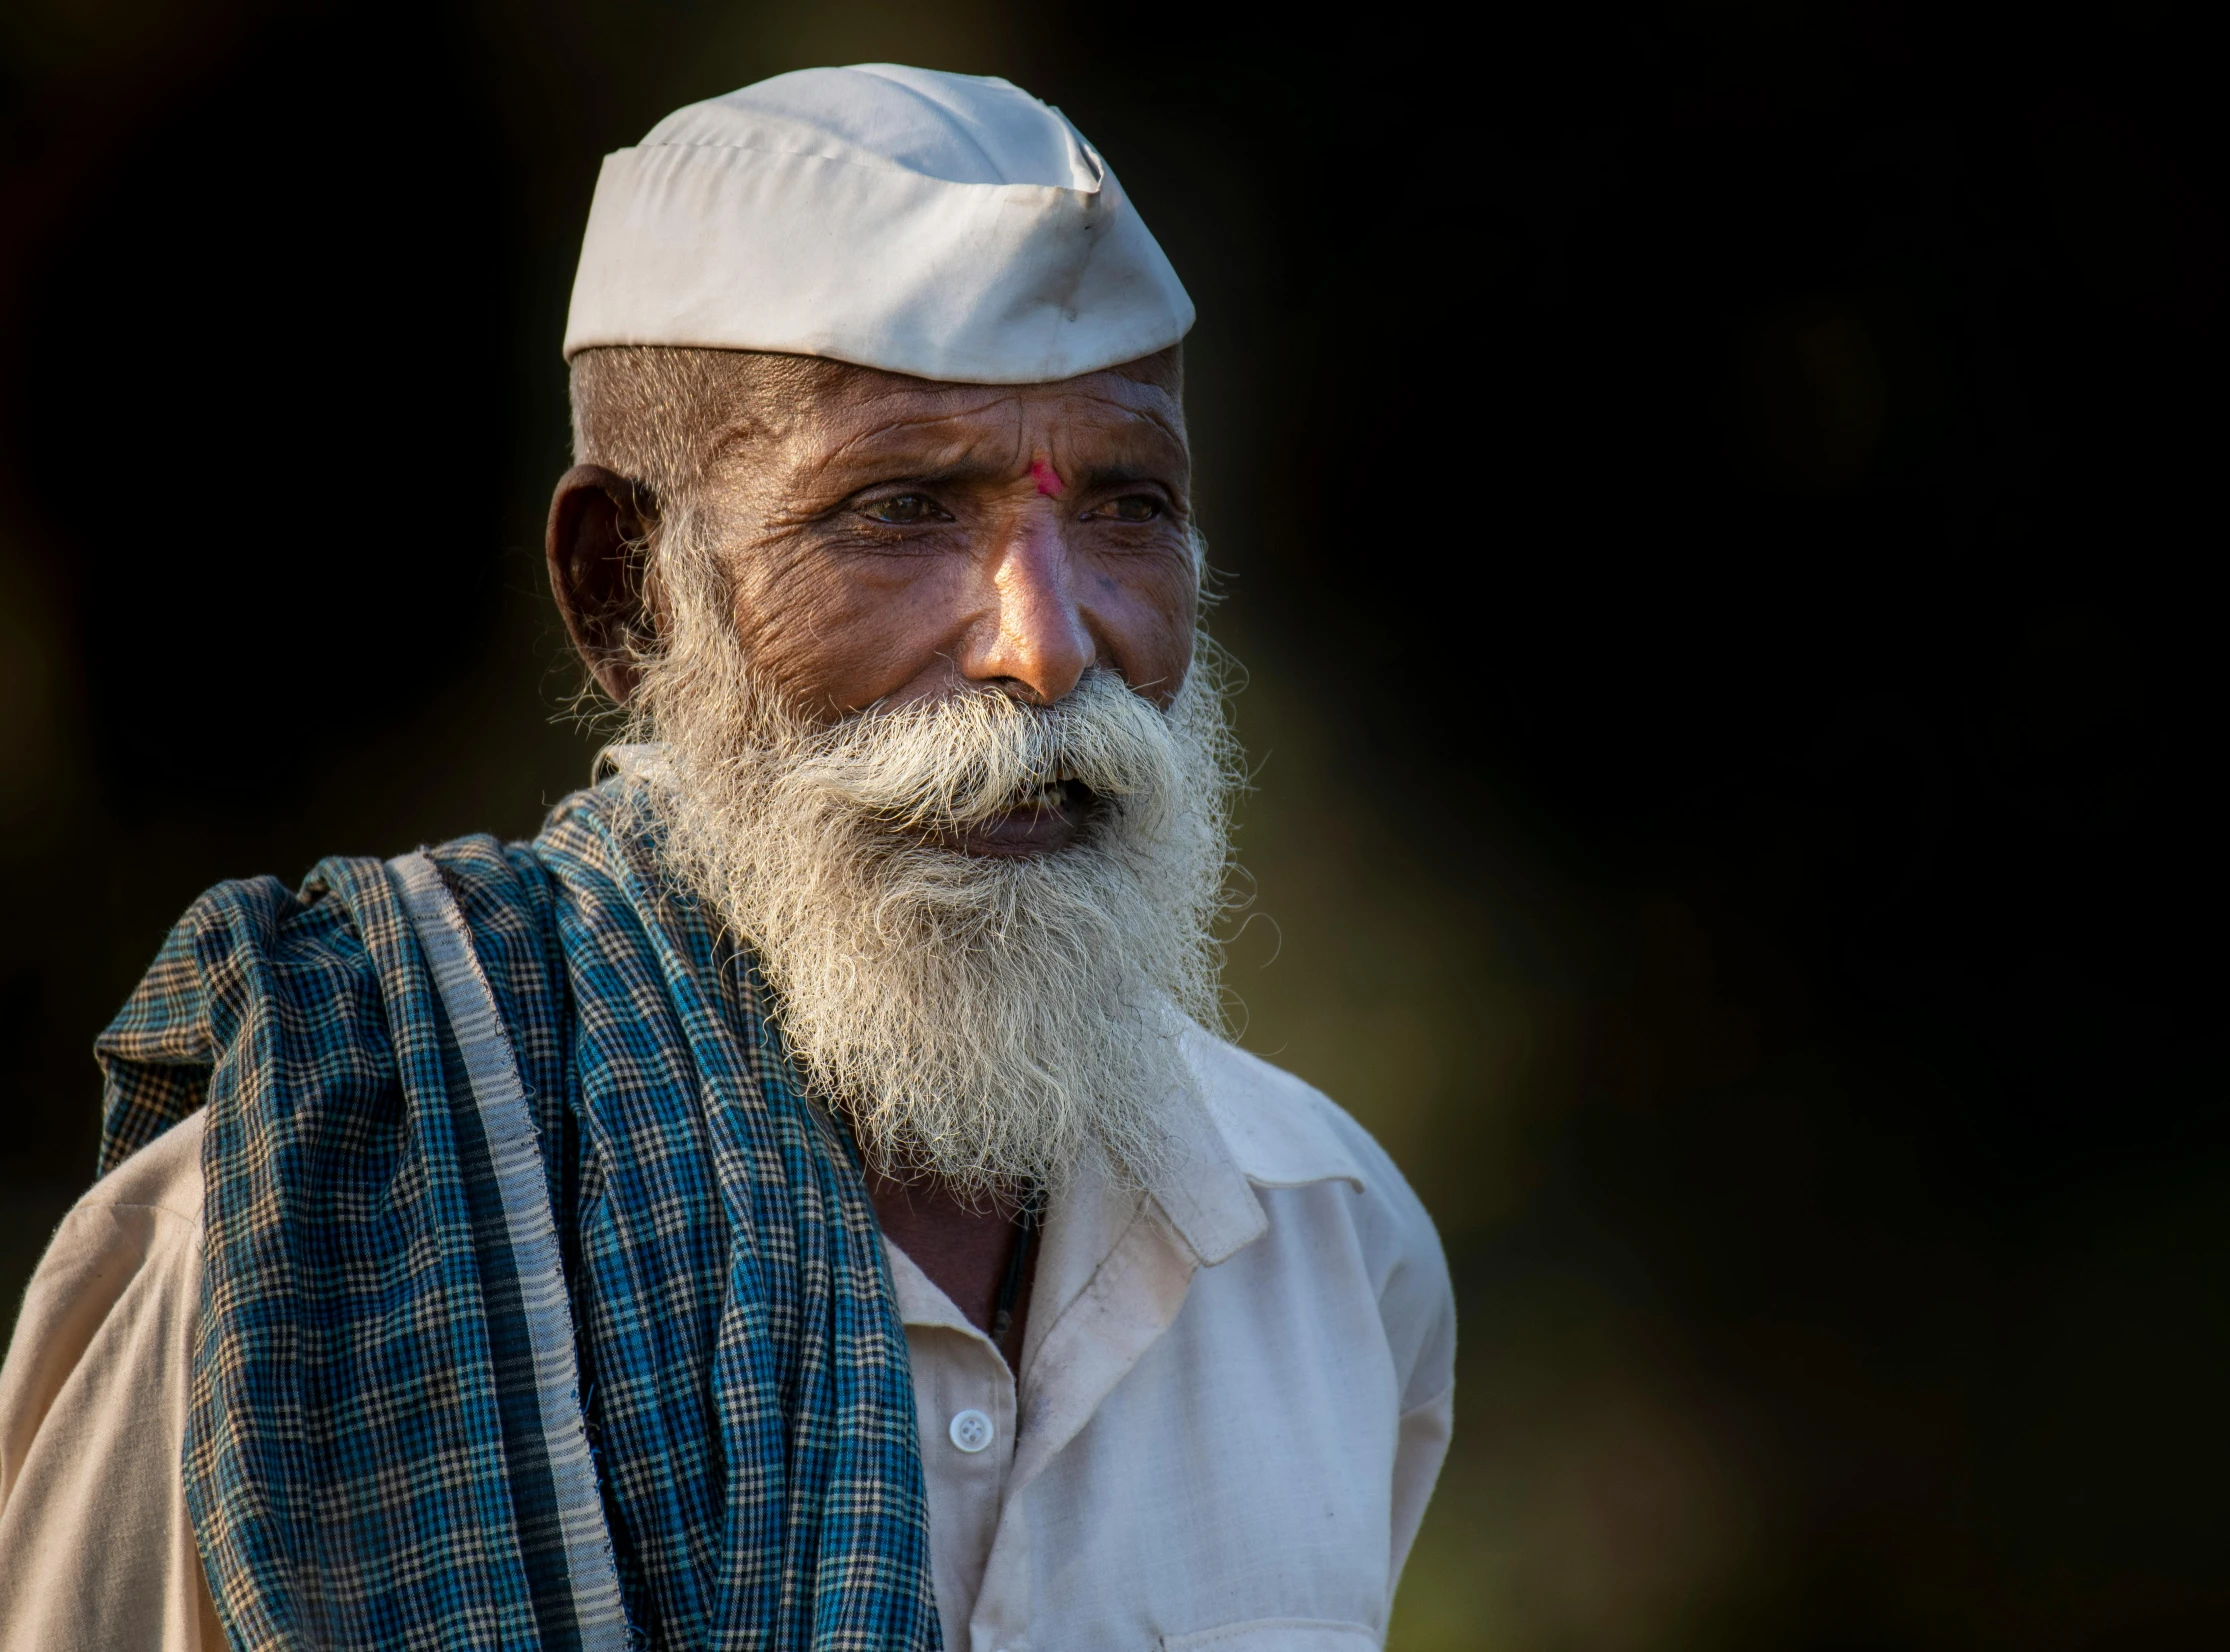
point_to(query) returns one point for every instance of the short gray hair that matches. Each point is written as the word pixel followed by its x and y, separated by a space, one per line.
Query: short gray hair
pixel 656 413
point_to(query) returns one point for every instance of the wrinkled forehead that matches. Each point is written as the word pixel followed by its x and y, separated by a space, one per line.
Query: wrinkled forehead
pixel 810 415
pixel 835 406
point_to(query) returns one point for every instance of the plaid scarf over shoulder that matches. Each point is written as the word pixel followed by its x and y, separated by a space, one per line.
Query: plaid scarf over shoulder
pixel 742 1365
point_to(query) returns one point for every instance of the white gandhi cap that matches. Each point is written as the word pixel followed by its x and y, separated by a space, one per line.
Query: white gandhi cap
pixel 947 226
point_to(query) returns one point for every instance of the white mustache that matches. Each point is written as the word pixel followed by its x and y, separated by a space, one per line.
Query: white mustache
pixel 943 766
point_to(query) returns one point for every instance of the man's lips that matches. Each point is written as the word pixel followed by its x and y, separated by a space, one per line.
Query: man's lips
pixel 1047 819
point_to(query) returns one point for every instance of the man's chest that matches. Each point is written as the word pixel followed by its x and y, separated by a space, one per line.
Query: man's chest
pixel 1210 1452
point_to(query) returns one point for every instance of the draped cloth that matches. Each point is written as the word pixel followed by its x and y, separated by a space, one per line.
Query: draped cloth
pixel 742 1366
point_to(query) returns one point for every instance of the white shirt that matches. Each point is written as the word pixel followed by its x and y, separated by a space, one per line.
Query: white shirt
pixel 1234 1399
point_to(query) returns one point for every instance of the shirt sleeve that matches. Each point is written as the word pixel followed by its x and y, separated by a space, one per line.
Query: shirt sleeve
pixel 1417 1306
pixel 1418 1454
pixel 96 1548
pixel 1420 1316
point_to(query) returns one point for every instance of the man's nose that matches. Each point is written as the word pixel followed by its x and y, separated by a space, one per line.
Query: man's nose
pixel 1036 638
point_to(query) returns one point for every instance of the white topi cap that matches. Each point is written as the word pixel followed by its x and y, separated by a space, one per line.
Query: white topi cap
pixel 947 226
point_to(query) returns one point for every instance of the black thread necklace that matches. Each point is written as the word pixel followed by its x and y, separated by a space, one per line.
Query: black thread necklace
pixel 1010 1288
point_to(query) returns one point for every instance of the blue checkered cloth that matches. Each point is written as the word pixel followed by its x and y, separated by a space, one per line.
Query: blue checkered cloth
pixel 742 1364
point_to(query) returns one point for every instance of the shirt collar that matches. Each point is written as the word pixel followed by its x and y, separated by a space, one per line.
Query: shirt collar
pixel 1245 1125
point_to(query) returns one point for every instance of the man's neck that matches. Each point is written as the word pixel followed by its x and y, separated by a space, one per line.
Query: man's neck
pixel 966 1249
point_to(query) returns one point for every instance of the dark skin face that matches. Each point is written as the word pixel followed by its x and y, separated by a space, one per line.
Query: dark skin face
pixel 891 540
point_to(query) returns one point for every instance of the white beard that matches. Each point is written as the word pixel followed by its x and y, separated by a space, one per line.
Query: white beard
pixel 986 1020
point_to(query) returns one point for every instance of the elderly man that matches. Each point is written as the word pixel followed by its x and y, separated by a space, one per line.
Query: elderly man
pixel 794 1201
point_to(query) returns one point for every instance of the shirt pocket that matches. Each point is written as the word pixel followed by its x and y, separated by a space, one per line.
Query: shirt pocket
pixel 1276 1635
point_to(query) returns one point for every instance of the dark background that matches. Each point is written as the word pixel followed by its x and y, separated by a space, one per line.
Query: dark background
pixel 1715 499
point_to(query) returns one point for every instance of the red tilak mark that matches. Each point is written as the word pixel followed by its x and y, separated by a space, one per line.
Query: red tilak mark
pixel 1047 478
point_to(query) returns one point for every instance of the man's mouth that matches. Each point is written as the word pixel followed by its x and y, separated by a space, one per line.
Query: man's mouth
pixel 1041 818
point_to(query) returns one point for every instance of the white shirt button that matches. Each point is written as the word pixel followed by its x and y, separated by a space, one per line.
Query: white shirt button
pixel 971 1430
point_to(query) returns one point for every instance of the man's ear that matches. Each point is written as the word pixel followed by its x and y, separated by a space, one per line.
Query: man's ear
pixel 599 523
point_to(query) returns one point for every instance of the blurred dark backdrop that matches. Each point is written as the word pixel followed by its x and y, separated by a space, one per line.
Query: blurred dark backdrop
pixel 1714 497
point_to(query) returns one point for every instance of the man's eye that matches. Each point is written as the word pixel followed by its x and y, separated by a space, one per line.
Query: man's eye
pixel 901 509
pixel 1131 507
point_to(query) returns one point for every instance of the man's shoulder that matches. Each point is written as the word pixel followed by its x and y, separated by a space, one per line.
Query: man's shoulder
pixel 341 896
pixel 1282 1131
pixel 1287 1138
pixel 305 979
